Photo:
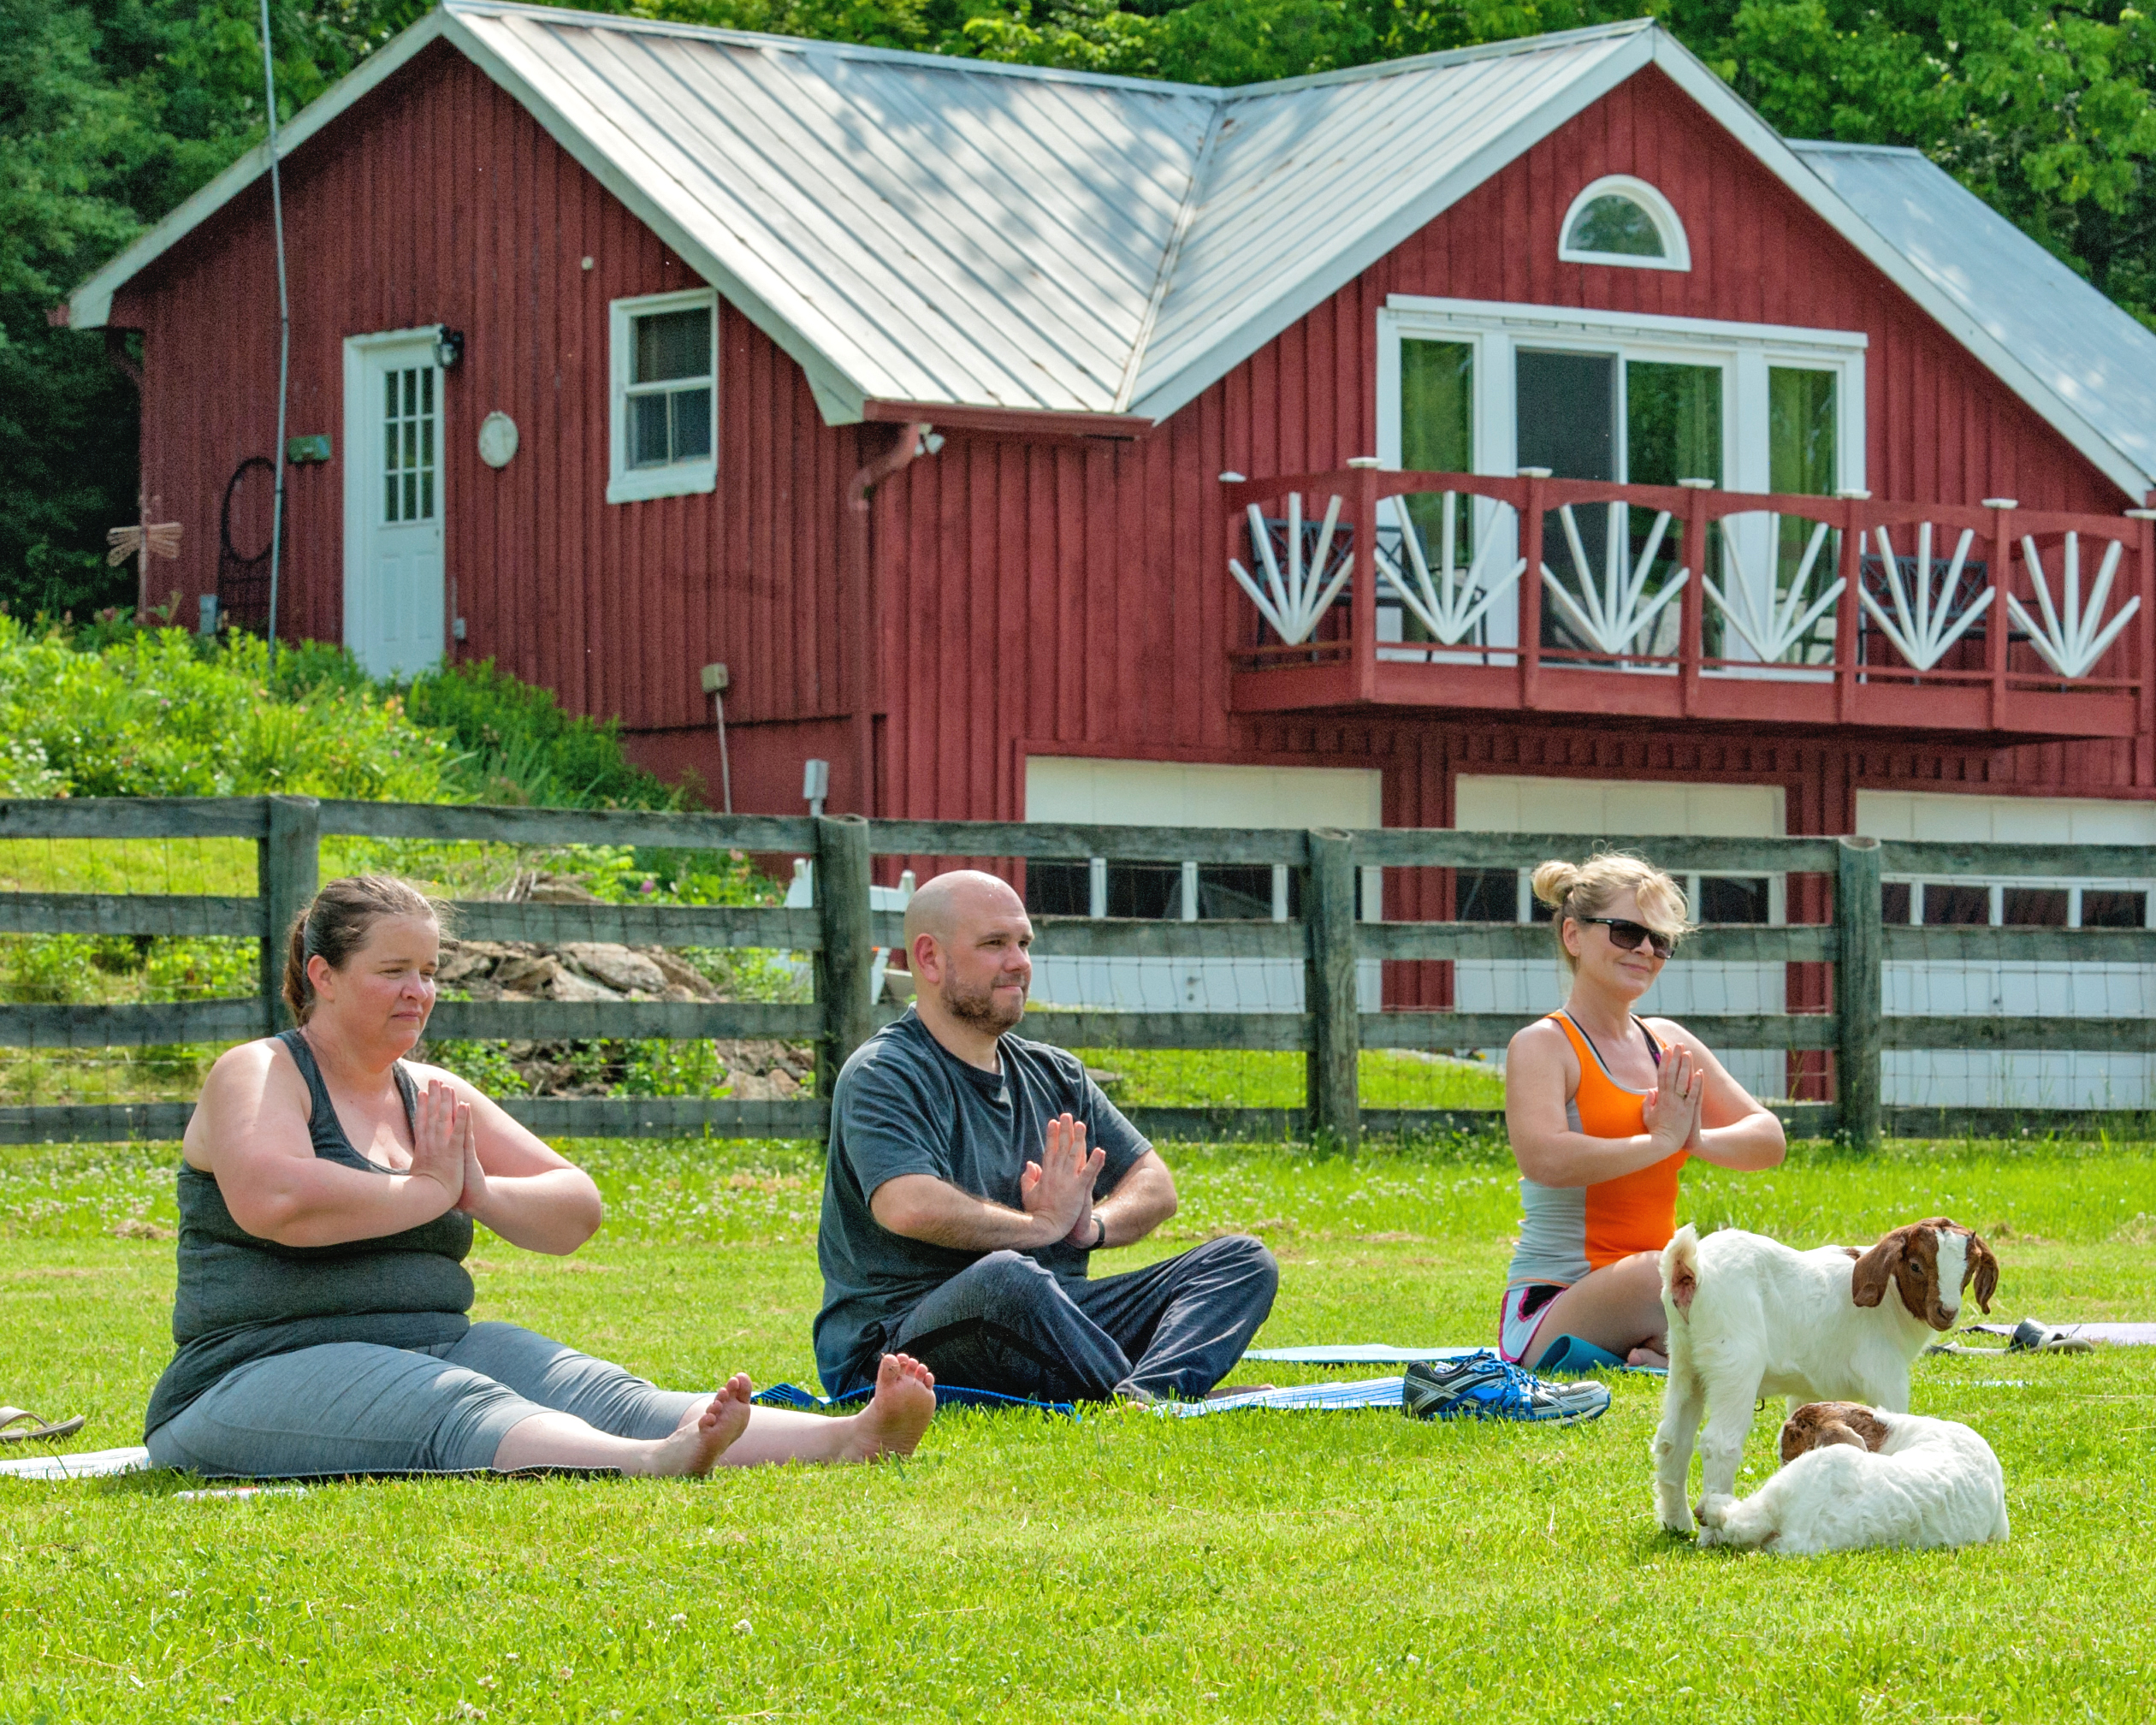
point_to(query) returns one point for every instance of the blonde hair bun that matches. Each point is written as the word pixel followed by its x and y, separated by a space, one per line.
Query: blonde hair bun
pixel 1553 881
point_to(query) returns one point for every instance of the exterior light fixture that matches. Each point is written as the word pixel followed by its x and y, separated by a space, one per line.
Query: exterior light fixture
pixel 448 348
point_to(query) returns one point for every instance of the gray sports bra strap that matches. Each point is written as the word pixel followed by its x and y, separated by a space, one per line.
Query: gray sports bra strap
pixel 323 1128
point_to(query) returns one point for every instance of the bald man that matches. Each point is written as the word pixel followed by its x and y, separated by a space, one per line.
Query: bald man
pixel 973 1173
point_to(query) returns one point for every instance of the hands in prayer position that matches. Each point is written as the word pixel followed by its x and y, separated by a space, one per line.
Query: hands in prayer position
pixel 1057 1190
pixel 1672 1109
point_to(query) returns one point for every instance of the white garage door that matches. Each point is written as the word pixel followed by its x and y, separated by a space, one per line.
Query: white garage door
pixel 2018 1078
pixel 1154 793
pixel 1590 808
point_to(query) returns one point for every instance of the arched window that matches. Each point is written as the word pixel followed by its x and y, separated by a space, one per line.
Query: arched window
pixel 1625 221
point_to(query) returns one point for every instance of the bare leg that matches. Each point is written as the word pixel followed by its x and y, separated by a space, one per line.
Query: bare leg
pixel 891 1425
pixel 1618 1307
pixel 562 1440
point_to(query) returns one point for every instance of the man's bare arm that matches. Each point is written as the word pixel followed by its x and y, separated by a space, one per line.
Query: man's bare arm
pixel 1143 1199
pixel 922 1207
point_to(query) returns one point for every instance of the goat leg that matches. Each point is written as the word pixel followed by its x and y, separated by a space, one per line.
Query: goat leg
pixel 1682 1402
pixel 1721 1447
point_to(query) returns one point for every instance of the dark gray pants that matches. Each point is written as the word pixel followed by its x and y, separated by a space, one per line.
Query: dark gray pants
pixel 352 1407
pixel 1175 1328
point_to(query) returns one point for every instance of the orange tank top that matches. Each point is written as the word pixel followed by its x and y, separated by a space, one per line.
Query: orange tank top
pixel 1636 1212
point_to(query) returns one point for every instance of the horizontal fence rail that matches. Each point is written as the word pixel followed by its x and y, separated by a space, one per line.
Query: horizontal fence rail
pixel 836 935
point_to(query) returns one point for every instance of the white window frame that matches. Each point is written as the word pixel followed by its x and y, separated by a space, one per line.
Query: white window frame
pixel 1668 225
pixel 1744 352
pixel 627 484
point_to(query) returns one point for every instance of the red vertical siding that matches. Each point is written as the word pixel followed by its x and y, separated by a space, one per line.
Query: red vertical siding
pixel 1054 596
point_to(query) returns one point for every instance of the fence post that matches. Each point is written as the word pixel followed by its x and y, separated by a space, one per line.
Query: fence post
pixel 1328 917
pixel 288 870
pixel 1860 945
pixel 846 958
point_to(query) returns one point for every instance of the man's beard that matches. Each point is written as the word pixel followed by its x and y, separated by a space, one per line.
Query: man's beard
pixel 979 1009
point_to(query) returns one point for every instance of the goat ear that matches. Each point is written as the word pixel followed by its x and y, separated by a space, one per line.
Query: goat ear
pixel 1869 1275
pixel 1986 1268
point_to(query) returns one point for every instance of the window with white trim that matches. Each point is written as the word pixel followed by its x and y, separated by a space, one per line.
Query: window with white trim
pixel 1625 222
pixel 666 395
pixel 1481 387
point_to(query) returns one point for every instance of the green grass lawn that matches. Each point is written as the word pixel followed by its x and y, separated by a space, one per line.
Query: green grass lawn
pixel 1248 1565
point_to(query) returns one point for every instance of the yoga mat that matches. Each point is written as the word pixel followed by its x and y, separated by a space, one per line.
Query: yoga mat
pixel 2121 1335
pixel 1360 1354
pixel 86 1464
pixel 1368 1392
pixel 947 1395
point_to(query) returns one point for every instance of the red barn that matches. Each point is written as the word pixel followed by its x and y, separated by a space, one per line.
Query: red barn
pixel 1710 482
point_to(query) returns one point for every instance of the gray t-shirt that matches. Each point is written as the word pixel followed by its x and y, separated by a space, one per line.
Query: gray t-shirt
pixel 906 1105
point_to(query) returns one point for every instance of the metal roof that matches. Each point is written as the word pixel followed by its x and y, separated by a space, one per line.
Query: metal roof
pixel 2092 355
pixel 948 233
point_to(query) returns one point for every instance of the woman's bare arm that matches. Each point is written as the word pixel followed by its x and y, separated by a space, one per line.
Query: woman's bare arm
pixel 250 1131
pixel 1734 1130
pixel 1541 1071
pixel 515 1184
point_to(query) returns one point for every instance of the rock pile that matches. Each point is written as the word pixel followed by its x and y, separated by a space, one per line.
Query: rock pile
pixel 756 1070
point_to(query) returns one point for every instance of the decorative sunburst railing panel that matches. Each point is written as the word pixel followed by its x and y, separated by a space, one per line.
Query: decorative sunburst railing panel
pixel 2073 635
pixel 1294 597
pixel 1772 619
pixel 1612 614
pixel 1931 611
pixel 1449 601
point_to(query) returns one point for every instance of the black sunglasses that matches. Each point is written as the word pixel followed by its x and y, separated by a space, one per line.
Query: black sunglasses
pixel 1626 935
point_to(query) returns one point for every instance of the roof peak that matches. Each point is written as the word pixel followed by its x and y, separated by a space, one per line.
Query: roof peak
pixel 1222 94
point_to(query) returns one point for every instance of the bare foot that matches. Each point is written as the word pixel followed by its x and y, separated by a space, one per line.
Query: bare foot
pixel 704 1434
pixel 1647 1356
pixel 897 1414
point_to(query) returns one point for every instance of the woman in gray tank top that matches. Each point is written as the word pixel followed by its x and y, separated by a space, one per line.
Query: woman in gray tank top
pixel 327 1200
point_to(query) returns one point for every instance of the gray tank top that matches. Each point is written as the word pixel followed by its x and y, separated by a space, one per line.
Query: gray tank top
pixel 242 1297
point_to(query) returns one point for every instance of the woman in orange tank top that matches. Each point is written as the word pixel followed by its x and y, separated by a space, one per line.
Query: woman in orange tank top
pixel 1603 1109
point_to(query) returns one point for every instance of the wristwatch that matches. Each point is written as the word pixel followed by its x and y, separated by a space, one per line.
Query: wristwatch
pixel 1100 1237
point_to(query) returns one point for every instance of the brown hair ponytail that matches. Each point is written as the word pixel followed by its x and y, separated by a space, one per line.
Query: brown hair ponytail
pixel 336 925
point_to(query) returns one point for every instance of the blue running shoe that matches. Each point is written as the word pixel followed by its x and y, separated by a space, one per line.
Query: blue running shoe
pixel 1484 1387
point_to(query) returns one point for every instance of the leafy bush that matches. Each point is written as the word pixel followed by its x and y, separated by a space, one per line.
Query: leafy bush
pixel 162 713
pixel 519 746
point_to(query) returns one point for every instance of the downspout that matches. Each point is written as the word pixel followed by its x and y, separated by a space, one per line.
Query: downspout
pixel 914 440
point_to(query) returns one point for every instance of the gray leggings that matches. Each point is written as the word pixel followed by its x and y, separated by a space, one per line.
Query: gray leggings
pixel 357 1408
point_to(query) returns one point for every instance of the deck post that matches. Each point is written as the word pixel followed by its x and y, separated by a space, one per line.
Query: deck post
pixel 1848 608
pixel 1691 604
pixel 1336 1038
pixel 846 958
pixel 2144 659
pixel 1996 621
pixel 1860 944
pixel 288 873
pixel 1365 581
pixel 1530 549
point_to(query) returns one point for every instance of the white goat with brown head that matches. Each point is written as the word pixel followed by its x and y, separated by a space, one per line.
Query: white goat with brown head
pixel 1750 1317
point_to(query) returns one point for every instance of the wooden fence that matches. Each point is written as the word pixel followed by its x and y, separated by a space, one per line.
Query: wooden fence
pixel 841 931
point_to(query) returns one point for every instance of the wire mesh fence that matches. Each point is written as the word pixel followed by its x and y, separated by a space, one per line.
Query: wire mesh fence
pixel 630 974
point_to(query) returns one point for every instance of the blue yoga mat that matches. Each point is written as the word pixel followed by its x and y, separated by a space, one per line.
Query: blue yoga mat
pixel 947 1396
pixel 1369 1392
pixel 1360 1354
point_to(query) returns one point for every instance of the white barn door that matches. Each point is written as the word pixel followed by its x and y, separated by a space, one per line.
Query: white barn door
pixel 1594 808
pixel 2021 1078
pixel 394 602
pixel 1159 793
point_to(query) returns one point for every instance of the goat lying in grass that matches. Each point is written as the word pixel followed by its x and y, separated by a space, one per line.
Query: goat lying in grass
pixel 1853 1476
pixel 1750 1317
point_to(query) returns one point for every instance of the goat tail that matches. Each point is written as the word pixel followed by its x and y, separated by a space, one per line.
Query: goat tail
pixel 1681 1270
